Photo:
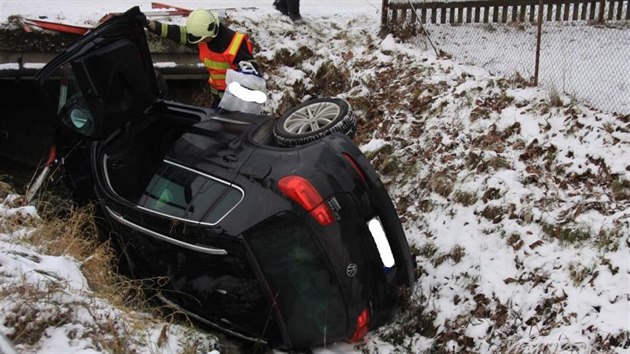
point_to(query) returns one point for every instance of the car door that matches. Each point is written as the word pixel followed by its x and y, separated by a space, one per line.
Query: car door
pixel 103 80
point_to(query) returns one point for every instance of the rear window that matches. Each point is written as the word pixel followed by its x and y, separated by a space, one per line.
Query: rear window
pixel 306 291
pixel 183 193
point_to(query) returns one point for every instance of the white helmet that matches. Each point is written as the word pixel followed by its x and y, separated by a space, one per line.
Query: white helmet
pixel 201 24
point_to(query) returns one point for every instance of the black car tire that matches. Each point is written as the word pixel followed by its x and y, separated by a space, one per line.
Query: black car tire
pixel 313 120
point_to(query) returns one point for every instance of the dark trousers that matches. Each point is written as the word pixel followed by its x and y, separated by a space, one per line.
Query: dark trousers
pixel 292 6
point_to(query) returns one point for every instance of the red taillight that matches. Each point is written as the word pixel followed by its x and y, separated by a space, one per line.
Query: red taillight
pixel 302 192
pixel 363 325
pixel 354 165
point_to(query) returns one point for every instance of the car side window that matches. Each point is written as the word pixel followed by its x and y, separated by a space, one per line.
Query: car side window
pixel 183 193
pixel 73 110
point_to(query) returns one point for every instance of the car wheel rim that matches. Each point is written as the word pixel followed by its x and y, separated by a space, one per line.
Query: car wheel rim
pixel 312 117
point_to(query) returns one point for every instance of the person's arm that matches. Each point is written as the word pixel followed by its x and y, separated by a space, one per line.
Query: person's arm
pixel 244 55
pixel 175 33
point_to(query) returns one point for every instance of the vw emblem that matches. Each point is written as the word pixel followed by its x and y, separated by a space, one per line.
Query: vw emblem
pixel 351 270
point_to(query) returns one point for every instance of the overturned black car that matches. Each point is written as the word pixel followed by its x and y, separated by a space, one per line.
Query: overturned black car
pixel 273 230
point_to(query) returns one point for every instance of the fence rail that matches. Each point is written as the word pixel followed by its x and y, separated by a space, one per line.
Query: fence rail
pixel 503 11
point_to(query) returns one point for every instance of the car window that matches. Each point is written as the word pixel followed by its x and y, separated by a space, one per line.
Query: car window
pixel 183 193
pixel 206 207
pixel 73 110
pixel 306 290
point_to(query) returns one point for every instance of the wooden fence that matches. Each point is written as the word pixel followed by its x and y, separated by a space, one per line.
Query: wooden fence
pixel 503 11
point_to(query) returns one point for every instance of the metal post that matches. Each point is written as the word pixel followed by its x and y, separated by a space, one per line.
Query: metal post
pixel 602 6
pixel 384 15
pixel 538 39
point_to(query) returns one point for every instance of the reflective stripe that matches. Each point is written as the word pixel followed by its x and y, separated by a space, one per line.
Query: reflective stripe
pixel 163 30
pixel 236 43
pixel 216 92
pixel 217 65
pixel 183 35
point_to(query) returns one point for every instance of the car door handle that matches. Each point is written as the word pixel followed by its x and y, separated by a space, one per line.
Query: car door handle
pixel 197 248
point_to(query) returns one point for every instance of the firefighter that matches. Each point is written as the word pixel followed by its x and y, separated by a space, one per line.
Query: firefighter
pixel 220 48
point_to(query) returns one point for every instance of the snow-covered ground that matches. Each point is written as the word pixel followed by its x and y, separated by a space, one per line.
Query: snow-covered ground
pixel 515 203
pixel 48 306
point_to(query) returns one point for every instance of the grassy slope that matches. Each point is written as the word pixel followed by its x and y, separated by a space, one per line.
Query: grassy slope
pixel 515 199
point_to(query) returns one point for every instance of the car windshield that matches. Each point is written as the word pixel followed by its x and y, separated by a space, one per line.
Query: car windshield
pixel 306 291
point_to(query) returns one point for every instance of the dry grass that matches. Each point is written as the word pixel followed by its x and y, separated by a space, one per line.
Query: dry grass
pixel 579 272
pixel 441 182
pixel 455 254
pixel 415 319
pixel 554 98
pixel 29 322
pixel 464 198
pixel 5 188
pixel 72 232
pixel 10 223
pixel 73 235
pixel 620 189
pixel 122 317
pixel 331 79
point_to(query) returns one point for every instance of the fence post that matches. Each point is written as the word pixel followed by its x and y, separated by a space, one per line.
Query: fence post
pixel 602 6
pixel 384 6
pixel 538 40
pixel 584 10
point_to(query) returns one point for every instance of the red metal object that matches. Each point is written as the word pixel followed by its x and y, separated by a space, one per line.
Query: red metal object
pixel 106 17
pixel 149 14
pixel 52 156
pixel 57 27
pixel 60 27
pixel 41 177
pixel 178 10
pixel 184 12
pixel 20 21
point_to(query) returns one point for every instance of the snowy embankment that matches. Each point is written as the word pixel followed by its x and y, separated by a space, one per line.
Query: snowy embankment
pixel 58 293
pixel 514 200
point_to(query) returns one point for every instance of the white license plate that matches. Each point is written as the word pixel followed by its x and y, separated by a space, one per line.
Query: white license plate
pixel 380 238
